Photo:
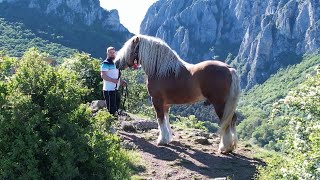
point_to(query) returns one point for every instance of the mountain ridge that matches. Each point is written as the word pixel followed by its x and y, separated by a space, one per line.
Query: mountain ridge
pixel 257 37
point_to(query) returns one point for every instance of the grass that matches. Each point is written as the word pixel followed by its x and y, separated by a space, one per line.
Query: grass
pixel 136 163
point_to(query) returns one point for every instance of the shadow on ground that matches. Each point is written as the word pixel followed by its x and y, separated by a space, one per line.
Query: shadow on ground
pixel 208 164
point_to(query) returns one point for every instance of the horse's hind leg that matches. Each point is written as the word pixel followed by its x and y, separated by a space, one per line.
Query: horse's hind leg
pixel 165 135
pixel 226 135
pixel 229 137
pixel 233 131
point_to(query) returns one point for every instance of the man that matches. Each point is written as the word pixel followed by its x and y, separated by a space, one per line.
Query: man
pixel 111 81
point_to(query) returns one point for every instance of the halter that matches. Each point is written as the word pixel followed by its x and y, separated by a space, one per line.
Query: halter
pixel 136 58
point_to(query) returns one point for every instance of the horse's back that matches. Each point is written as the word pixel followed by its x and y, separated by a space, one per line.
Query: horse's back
pixel 214 78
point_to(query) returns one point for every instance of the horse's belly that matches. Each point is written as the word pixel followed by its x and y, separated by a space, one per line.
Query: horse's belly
pixel 183 96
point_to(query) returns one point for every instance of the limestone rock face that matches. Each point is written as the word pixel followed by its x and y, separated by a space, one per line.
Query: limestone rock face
pixel 88 11
pixel 259 36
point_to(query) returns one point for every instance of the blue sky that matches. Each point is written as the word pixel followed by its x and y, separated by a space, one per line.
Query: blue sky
pixel 130 17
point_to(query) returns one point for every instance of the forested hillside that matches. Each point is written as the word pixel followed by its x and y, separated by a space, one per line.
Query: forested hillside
pixel 28 27
pixel 16 38
pixel 256 105
pixel 298 117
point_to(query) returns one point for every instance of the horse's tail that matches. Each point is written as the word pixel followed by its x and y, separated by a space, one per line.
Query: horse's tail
pixel 227 124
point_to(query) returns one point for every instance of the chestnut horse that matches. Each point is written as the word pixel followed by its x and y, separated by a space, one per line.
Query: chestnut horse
pixel 171 80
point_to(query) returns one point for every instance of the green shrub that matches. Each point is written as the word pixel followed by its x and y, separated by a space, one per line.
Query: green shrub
pixel 87 70
pixel 138 100
pixel 47 133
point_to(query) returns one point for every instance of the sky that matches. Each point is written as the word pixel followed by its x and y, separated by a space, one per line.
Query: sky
pixel 130 17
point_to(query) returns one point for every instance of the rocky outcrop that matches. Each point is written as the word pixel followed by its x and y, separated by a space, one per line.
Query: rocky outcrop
pixel 88 12
pixel 77 24
pixel 259 36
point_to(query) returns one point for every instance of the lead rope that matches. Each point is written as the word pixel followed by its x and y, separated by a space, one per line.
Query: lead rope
pixel 124 95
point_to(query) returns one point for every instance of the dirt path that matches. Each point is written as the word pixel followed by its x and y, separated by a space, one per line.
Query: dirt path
pixel 186 159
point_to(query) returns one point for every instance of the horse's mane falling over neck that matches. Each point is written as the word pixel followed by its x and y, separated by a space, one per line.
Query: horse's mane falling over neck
pixel 157 58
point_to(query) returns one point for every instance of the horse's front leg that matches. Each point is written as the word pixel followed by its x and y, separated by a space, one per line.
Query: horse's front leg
pixel 166 117
pixel 165 135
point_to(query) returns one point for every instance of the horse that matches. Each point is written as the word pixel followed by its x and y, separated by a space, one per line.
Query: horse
pixel 171 80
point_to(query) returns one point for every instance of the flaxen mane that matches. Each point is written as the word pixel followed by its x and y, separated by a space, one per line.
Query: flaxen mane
pixel 156 57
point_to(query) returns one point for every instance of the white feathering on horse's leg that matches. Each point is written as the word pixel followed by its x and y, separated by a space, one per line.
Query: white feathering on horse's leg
pixel 164 135
pixel 166 116
pixel 228 133
pixel 234 138
pixel 226 142
pixel 234 133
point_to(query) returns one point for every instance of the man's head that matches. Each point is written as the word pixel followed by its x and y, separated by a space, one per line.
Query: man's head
pixel 111 53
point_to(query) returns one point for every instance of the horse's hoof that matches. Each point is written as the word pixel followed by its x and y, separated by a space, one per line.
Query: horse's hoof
pixel 161 143
pixel 224 150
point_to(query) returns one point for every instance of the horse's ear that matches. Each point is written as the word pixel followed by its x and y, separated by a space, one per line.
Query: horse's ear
pixel 136 39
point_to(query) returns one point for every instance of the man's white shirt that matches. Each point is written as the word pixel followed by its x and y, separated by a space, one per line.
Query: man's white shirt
pixel 112 72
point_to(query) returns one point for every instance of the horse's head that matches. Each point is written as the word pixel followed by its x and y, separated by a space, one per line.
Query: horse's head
pixel 128 55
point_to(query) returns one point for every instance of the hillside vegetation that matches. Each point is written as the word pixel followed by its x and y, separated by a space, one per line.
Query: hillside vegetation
pixel 16 38
pixel 256 105
pixel 300 113
pixel 33 27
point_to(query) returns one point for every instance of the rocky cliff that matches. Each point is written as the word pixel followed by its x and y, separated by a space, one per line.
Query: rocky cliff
pixel 86 11
pixel 78 24
pixel 258 37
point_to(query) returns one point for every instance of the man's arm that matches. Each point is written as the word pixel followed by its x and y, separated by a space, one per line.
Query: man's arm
pixel 105 77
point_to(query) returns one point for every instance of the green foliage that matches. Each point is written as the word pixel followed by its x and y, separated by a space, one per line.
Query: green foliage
pixel 203 113
pixel 274 163
pixel 210 126
pixel 7 66
pixel 189 122
pixel 256 105
pixel 301 109
pixel 15 39
pixel 47 133
pixel 138 100
pixel 87 70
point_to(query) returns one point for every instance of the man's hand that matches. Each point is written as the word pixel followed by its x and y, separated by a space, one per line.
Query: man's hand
pixel 123 82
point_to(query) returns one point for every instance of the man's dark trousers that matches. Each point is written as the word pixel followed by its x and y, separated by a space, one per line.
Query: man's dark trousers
pixel 112 100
